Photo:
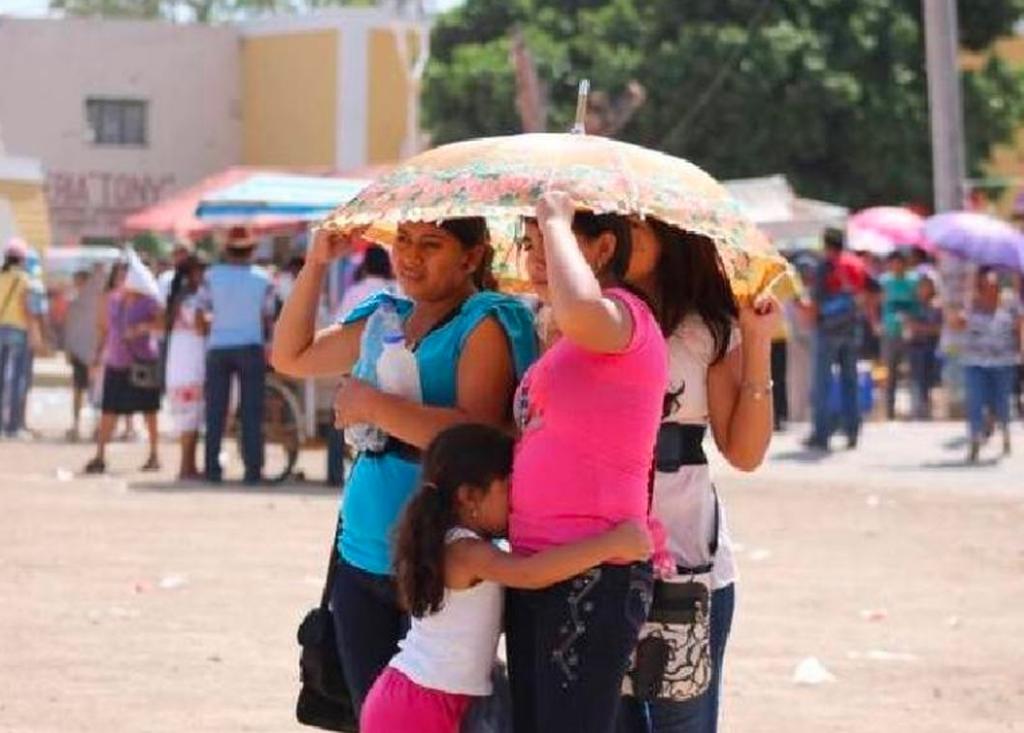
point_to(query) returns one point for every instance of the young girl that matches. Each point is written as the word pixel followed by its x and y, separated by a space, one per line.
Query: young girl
pixel 450 577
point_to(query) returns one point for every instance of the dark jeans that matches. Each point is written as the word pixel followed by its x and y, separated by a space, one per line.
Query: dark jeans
pixel 924 374
pixel 569 647
pixel 699 715
pixel 14 363
pixel 780 403
pixel 249 363
pixel 829 350
pixel 368 624
pixel 896 351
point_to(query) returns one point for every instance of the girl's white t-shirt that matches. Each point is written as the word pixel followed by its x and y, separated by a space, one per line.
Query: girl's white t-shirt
pixel 454 649
pixel 684 501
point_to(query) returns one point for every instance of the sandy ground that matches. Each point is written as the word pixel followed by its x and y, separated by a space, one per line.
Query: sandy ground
pixel 131 603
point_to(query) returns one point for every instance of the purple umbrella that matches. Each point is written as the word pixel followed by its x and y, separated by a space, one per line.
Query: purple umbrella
pixel 978 238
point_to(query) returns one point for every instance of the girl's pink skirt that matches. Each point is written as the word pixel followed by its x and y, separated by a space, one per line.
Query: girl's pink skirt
pixel 396 704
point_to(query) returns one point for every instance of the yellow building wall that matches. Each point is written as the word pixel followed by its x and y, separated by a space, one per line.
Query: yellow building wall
pixel 389 95
pixel 1006 162
pixel 289 88
pixel 31 215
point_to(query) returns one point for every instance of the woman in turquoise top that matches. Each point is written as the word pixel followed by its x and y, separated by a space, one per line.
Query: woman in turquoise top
pixel 471 348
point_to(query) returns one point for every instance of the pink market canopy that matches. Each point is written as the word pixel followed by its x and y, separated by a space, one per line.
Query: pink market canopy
pixel 502 178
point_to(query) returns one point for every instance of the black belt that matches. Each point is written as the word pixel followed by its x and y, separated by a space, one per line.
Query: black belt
pixel 400 449
pixel 679 445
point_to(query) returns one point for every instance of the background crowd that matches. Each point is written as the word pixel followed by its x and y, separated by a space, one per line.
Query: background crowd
pixel 864 337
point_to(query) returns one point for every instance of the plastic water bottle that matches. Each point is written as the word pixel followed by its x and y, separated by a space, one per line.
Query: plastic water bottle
pixel 384 322
pixel 397 370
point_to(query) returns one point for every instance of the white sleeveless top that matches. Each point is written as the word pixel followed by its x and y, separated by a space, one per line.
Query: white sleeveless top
pixel 684 501
pixel 454 649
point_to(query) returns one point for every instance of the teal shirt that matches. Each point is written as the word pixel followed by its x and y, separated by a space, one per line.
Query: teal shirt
pixel 380 485
pixel 899 298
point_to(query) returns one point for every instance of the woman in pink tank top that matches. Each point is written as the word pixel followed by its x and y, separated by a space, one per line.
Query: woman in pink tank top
pixel 588 412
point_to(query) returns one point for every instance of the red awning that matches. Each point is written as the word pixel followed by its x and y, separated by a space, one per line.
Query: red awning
pixel 175 216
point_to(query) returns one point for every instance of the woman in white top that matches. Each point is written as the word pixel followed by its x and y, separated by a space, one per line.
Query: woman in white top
pixel 186 361
pixel 719 375
pixel 373 276
pixel 451 578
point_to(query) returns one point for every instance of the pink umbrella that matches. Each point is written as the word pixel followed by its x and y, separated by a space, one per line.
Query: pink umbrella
pixel 901 226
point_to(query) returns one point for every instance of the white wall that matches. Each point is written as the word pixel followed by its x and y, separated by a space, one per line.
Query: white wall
pixel 189 74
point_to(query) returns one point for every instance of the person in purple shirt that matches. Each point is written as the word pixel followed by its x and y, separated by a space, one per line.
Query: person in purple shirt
pixel 128 324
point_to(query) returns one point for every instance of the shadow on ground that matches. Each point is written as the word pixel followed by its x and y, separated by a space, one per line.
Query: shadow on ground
pixel 288 488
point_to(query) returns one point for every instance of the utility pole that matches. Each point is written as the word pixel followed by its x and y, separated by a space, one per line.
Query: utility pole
pixel 947 121
pixel 942 49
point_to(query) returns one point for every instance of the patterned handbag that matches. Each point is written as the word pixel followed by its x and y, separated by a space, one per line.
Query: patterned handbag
pixel 672 660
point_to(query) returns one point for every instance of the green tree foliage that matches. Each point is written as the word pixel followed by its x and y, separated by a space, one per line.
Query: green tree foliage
pixel 833 93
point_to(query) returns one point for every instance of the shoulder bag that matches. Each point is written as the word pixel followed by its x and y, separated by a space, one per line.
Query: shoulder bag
pixel 324 700
pixel 143 372
pixel 673 656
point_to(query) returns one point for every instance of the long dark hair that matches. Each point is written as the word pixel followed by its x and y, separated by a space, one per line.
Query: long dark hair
pixel 591 225
pixel 691 279
pixel 178 290
pixel 471 231
pixel 464 455
pixel 376 263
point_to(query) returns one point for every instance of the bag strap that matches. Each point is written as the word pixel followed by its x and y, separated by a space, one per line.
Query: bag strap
pixel 332 566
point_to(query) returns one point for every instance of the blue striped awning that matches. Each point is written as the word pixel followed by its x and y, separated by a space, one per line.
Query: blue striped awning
pixel 283 195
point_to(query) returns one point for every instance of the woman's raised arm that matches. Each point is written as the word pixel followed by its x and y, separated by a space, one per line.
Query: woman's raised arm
pixel 581 311
pixel 298 349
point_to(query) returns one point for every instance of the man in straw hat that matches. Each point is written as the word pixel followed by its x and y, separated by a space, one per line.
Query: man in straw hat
pixel 237 301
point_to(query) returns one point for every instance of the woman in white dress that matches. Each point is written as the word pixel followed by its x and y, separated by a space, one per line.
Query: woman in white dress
pixel 186 361
pixel 719 377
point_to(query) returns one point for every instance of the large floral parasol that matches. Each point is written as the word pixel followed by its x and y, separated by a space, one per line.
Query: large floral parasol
pixel 503 177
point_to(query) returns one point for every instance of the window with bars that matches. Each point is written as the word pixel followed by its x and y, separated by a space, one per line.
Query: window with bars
pixel 117 121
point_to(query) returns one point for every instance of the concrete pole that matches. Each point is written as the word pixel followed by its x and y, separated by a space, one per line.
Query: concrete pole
pixel 942 50
pixel 948 171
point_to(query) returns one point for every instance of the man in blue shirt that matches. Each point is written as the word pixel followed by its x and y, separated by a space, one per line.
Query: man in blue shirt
pixel 237 301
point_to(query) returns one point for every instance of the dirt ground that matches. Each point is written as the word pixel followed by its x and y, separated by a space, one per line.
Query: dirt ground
pixel 131 603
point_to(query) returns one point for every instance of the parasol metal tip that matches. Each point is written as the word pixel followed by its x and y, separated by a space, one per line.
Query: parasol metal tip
pixel 580 125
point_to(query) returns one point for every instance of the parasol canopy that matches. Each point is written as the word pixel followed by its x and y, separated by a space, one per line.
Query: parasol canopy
pixel 503 177
pixel 900 225
pixel 977 238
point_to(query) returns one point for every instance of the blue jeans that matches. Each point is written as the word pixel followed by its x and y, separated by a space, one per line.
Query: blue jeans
pixel 13 378
pixel 827 351
pixel 569 646
pixel 249 363
pixel 989 387
pixel 368 624
pixel 699 715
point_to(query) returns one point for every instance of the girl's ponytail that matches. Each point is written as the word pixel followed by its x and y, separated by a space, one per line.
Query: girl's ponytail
pixel 464 455
pixel 419 550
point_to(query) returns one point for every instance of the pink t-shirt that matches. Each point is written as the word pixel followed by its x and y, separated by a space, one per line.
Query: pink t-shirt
pixel 589 424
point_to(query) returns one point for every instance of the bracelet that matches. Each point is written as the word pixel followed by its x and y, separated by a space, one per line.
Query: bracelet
pixel 758 391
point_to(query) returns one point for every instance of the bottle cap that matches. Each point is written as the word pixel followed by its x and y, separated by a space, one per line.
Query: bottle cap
pixel 393 338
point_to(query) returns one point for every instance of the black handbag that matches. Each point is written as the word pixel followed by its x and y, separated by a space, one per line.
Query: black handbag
pixel 324 700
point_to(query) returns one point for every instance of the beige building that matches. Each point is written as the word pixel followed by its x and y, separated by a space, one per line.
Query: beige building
pixel 120 113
